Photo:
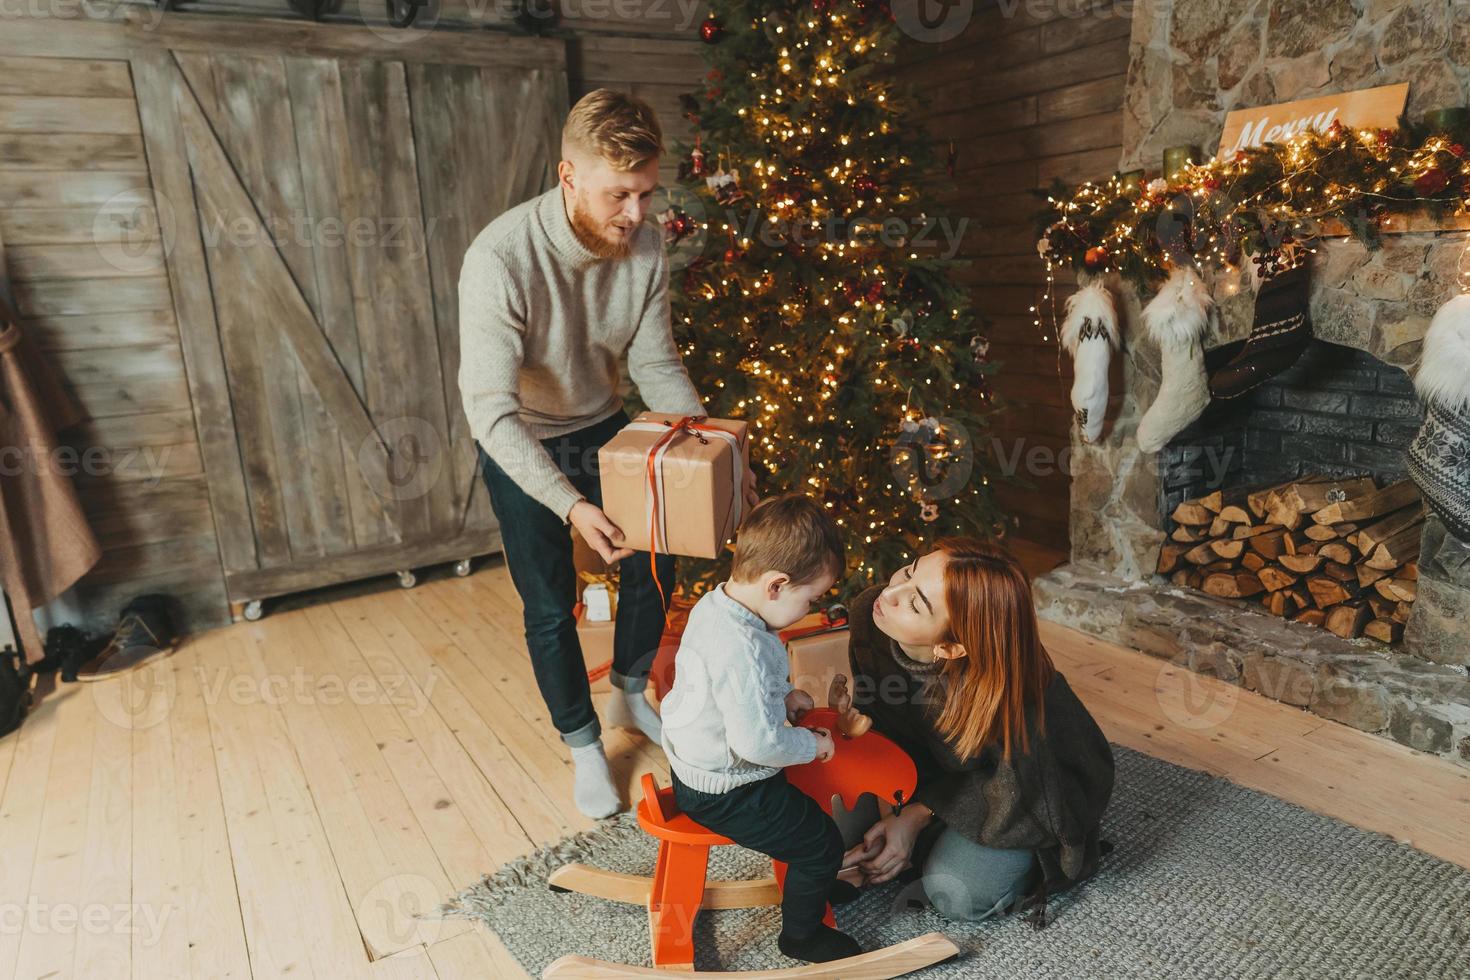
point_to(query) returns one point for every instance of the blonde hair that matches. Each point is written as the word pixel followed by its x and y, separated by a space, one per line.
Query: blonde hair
pixel 790 534
pixel 621 129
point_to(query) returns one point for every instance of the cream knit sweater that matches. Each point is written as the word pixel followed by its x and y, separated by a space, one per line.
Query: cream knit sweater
pixel 543 324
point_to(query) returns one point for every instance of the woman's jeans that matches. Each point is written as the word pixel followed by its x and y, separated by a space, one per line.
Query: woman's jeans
pixel 538 553
pixel 963 880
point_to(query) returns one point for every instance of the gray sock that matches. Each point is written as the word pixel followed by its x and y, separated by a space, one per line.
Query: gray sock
pixel 593 789
pixel 627 707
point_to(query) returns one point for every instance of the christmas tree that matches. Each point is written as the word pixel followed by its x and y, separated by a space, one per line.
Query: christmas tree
pixel 810 292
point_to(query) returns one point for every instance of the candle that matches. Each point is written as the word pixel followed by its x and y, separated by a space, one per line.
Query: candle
pixel 1453 119
pixel 1176 157
pixel 1131 181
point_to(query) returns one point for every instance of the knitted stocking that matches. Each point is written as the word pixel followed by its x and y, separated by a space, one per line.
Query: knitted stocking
pixel 1439 457
pixel 1281 332
pixel 1177 319
pixel 1090 335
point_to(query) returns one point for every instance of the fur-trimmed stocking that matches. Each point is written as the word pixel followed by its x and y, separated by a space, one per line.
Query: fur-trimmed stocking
pixel 1439 456
pixel 1090 335
pixel 1177 319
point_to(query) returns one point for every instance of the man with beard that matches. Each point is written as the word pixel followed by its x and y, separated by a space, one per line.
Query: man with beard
pixel 553 293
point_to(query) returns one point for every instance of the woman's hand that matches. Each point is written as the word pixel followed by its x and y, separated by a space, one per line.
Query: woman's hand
pixel 889 844
pixel 798 703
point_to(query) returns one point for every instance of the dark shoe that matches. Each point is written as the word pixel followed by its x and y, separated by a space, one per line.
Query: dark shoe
pixel 822 946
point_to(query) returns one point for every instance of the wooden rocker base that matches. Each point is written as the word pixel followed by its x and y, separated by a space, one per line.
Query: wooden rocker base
pixel 891 961
pixel 635 889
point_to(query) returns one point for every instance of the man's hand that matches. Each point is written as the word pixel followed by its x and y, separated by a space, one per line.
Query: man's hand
pixel 825 749
pixel 600 533
pixel 798 703
pixel 751 496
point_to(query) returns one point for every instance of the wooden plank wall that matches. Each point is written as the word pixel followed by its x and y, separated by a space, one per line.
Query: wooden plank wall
pixel 1026 97
pixel 78 220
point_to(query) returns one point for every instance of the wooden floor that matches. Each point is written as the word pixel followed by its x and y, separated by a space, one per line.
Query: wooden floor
pixel 282 797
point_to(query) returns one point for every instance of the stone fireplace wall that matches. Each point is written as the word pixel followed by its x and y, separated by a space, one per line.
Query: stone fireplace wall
pixel 1192 61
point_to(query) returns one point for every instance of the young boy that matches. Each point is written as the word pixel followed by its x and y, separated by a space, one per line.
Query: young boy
pixel 724 721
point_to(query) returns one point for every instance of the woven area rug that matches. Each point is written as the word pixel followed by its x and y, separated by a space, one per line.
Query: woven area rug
pixel 1208 880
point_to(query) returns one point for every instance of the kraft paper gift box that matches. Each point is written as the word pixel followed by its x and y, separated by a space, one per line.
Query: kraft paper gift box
pixel 818 653
pixel 696 482
pixel 597 645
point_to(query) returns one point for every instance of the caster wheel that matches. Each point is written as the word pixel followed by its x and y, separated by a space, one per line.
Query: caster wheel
pixel 253 610
pixel 407 580
pixel 462 567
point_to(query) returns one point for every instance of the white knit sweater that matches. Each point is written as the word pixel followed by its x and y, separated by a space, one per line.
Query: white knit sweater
pixel 543 324
pixel 724 721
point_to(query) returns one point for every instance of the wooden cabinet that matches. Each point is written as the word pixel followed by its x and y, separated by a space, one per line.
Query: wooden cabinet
pixel 317 187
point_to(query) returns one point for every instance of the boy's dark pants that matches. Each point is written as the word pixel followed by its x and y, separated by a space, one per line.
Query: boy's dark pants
pixel 538 552
pixel 775 818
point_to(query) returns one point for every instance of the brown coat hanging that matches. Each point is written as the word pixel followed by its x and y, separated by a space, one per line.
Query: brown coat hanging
pixel 45 543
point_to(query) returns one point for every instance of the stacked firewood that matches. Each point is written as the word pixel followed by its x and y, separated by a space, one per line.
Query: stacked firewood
pixel 1340 554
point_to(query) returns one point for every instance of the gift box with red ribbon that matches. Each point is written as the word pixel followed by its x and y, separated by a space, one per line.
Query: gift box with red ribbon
pixel 673 483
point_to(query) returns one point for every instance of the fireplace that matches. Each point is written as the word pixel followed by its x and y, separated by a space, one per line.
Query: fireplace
pixel 1346 409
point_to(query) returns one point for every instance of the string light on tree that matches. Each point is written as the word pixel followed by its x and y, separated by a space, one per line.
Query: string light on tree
pixel 823 334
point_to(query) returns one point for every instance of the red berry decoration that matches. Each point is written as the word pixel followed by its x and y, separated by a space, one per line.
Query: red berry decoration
pixel 864 185
pixel 1431 182
pixel 732 254
pixel 710 31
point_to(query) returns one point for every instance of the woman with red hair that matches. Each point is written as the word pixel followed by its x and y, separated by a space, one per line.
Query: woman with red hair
pixel 1014 773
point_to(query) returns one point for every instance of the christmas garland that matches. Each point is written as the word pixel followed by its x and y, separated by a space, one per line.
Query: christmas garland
pixel 1256 201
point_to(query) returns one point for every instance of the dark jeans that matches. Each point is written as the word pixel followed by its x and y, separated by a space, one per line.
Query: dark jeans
pixel 775 818
pixel 538 552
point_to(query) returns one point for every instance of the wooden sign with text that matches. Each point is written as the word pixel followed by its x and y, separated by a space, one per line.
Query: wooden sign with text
pixel 1365 109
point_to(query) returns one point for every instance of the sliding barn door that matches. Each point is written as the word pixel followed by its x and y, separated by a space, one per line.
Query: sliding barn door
pixel 318 198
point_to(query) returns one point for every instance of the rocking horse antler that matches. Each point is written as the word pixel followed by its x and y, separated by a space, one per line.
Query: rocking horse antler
pixel 851 721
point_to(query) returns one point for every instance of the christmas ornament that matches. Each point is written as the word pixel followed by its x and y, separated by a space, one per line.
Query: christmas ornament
pixel 710 31
pixel 1095 257
pixel 1090 334
pixel 677 225
pixel 696 160
pixel 864 185
pixel 1278 337
pixel 1177 319
pixel 980 348
pixel 929 511
pixel 1439 456
pixel 724 184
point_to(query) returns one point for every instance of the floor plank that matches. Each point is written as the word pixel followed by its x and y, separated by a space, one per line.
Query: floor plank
pixel 293 797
